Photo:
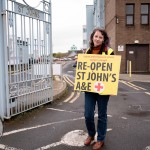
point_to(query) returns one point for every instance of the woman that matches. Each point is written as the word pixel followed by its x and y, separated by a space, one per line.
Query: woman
pixel 98 45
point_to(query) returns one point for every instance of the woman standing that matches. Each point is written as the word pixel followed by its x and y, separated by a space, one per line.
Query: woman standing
pixel 99 43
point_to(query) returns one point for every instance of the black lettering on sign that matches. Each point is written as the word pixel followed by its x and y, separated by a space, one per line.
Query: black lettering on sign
pixel 80 75
pixel 89 86
pixel 98 65
pixel 98 76
pixel 106 66
pixel 91 76
pixel 105 76
pixel 82 65
pixel 101 66
pixel 92 66
pixel 114 78
pixel 83 86
pixel 78 86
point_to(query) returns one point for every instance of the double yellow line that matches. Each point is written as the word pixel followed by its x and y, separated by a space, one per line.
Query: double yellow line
pixel 74 95
pixel 134 86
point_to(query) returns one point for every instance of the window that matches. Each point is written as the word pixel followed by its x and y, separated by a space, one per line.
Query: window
pixel 129 14
pixel 144 14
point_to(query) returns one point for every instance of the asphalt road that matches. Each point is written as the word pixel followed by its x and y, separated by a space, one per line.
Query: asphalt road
pixel 60 125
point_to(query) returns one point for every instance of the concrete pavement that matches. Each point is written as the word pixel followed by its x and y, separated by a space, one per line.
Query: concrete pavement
pixel 135 77
pixel 59 88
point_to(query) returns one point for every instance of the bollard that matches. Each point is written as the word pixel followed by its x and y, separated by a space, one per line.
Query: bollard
pixel 130 65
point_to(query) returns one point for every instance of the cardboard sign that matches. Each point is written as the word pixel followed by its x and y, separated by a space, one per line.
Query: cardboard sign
pixel 97 73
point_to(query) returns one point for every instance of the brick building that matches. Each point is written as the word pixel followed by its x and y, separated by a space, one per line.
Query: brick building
pixel 128 25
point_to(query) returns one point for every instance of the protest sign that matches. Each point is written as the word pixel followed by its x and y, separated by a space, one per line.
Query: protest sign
pixel 97 73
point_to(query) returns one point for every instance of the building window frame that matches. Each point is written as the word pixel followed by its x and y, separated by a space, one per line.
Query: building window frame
pixel 145 13
pixel 130 12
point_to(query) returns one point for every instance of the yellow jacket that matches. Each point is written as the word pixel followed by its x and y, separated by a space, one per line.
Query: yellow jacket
pixel 109 51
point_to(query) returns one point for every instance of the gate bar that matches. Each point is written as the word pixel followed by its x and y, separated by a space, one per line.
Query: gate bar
pixel 3 49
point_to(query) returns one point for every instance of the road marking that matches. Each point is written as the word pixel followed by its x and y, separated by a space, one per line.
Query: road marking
pixel 128 85
pixel 72 94
pixel 147 93
pixel 44 125
pixel 147 148
pixel 49 146
pixel 136 86
pixel 70 71
pixel 147 120
pixel 123 117
pixel 109 129
pixel 2 146
pixel 75 98
pixel 39 126
pixel 70 80
pixel 5 147
pixel 131 92
pixel 60 110
pixel 73 138
pixel 66 78
pixel 67 81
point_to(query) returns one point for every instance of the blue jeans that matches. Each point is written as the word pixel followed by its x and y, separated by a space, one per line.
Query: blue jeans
pixel 90 102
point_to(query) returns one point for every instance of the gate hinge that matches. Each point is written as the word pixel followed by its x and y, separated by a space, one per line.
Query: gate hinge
pixel 3 13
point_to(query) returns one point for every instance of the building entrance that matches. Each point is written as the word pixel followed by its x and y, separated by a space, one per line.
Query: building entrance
pixel 138 54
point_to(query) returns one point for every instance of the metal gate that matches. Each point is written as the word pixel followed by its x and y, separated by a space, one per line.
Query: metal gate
pixel 26 56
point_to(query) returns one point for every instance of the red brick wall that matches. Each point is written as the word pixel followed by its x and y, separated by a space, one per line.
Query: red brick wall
pixel 120 33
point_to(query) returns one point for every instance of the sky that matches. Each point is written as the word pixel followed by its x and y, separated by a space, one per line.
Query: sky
pixel 68 17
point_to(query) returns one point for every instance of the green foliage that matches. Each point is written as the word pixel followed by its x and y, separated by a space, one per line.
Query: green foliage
pixel 59 55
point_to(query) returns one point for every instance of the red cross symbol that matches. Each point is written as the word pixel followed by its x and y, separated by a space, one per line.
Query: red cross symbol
pixel 99 87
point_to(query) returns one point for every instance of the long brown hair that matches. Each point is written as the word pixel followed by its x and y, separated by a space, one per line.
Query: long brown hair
pixel 105 42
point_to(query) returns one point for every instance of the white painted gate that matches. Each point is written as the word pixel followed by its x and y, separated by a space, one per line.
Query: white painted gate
pixel 25 56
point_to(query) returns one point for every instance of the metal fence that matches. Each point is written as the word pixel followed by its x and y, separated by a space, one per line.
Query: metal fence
pixel 26 56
